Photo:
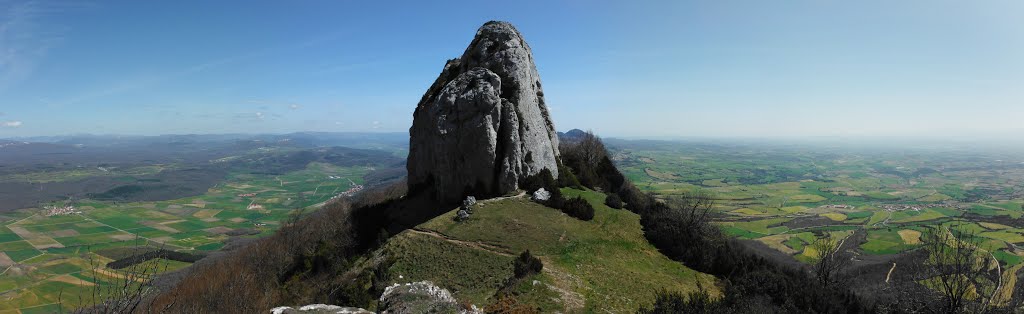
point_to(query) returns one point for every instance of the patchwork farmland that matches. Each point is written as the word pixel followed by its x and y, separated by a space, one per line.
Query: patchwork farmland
pixel 879 202
pixel 51 260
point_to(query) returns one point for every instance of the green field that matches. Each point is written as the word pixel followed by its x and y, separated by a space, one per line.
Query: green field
pixel 786 195
pixel 46 256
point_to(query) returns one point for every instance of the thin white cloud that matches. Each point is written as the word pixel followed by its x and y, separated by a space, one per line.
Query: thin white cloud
pixel 259 115
pixel 130 84
pixel 294 106
pixel 11 124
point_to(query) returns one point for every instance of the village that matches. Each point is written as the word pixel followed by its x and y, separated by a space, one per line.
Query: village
pixel 60 210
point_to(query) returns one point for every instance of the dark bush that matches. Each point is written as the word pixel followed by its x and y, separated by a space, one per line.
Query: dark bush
pixel 575 207
pixel 542 179
pixel 526 264
pixel 161 253
pixel 613 201
pixel 673 302
pixel 566 178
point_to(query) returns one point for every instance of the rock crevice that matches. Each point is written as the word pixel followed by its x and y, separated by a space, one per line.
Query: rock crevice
pixel 483 125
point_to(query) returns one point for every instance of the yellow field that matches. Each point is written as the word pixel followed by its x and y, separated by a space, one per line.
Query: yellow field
pixel 776 242
pixel 910 236
pixel 993 226
pixel 834 216
pixel 748 211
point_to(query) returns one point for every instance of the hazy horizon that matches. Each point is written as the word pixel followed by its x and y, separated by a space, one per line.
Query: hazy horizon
pixel 746 69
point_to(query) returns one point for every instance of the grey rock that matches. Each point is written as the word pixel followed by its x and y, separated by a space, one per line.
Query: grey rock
pixel 541 195
pixel 420 297
pixel 467 204
pixel 319 309
pixel 483 125
pixel 462 215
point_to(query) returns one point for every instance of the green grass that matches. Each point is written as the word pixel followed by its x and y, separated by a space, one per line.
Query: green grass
pixel 924 215
pixel 21 255
pixel 1011 237
pixel 858 215
pixel 796 243
pixel 884 242
pixel 472 274
pixel 1007 257
pixel 43 309
pixel 877 217
pixel 606 254
pixel 15 245
pixel 61 268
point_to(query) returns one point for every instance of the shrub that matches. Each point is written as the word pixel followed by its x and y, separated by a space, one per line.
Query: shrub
pixel 526 264
pixel 542 179
pixel 613 201
pixel 575 207
pixel 699 301
pixel 566 178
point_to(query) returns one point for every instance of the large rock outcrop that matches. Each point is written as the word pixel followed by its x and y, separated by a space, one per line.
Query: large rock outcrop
pixel 483 125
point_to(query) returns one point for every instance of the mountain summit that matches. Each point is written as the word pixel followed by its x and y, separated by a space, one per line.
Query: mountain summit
pixel 483 125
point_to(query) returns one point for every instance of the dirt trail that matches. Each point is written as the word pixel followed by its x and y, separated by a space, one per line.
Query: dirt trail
pixel 564 283
pixel 521 194
pixel 889 275
pixel 473 244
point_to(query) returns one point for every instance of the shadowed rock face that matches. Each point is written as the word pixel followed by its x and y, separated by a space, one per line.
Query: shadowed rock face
pixel 483 125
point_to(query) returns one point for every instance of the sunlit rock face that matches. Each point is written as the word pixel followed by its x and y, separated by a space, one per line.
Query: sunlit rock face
pixel 483 125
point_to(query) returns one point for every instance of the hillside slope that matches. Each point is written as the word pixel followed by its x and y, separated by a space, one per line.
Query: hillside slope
pixel 589 266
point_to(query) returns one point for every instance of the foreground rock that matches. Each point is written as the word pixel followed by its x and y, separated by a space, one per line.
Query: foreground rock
pixel 319 309
pixel 541 195
pixel 413 297
pixel 420 297
pixel 483 125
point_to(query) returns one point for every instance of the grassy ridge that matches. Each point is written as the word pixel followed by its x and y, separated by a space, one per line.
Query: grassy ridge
pixel 591 266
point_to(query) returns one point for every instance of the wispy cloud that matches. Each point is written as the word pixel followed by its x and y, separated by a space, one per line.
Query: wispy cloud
pixel 10 124
pixel 130 84
pixel 294 106
pixel 23 39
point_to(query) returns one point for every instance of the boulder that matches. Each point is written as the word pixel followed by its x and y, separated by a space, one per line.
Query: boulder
pixel 467 204
pixel 319 309
pixel 462 215
pixel 483 125
pixel 420 297
pixel 541 195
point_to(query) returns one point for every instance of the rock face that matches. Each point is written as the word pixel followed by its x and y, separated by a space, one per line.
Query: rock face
pixel 483 125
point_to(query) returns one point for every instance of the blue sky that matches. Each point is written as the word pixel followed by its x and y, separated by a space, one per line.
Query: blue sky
pixel 631 68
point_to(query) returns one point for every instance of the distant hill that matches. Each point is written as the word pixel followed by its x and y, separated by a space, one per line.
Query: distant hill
pixel 571 135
